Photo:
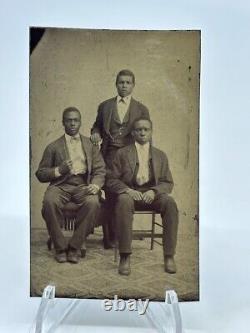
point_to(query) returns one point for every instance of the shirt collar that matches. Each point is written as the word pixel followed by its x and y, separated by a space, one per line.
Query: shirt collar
pixel 142 147
pixel 126 99
pixel 68 137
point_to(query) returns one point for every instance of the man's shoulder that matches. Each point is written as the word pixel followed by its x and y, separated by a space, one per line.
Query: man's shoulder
pixel 86 140
pixel 159 152
pixel 113 99
pixel 56 143
pixel 124 151
pixel 107 102
pixel 139 103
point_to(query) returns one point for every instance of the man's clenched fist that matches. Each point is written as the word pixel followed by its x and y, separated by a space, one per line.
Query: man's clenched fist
pixel 65 167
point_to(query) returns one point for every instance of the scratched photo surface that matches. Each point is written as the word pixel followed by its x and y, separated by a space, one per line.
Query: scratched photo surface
pixel 78 68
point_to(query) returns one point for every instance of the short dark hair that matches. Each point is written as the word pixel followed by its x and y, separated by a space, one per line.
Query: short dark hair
pixel 70 109
pixel 126 72
pixel 142 118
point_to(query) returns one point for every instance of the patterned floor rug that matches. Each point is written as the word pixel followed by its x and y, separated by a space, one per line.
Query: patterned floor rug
pixel 96 275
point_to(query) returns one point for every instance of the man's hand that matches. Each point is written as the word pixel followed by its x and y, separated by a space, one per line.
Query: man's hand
pixel 136 195
pixel 65 167
pixel 81 192
pixel 92 189
pixel 148 197
pixel 95 138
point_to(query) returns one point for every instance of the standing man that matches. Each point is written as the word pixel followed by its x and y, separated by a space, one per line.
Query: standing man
pixel 76 172
pixel 140 178
pixel 113 125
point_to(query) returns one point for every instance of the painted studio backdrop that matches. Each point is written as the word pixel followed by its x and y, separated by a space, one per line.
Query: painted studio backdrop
pixel 71 67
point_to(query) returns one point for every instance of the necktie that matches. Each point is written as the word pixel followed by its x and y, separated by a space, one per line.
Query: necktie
pixel 74 139
pixel 122 109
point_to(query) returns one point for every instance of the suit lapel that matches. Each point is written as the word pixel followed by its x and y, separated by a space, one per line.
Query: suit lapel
pixel 156 165
pixel 132 111
pixel 110 108
pixel 62 149
pixel 87 150
pixel 127 116
pixel 132 158
pixel 116 117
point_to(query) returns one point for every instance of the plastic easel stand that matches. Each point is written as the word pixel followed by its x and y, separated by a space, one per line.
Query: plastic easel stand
pixel 43 322
pixel 165 318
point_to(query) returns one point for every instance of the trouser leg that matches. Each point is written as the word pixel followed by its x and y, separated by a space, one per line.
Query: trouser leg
pixel 108 216
pixel 109 205
pixel 103 220
pixel 124 210
pixel 53 202
pixel 167 207
pixel 86 215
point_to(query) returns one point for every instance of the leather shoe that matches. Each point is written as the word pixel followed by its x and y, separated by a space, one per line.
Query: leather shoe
pixel 61 257
pixel 73 256
pixel 169 264
pixel 124 266
pixel 83 253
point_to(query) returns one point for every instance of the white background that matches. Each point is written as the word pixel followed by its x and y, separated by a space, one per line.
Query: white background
pixel 224 147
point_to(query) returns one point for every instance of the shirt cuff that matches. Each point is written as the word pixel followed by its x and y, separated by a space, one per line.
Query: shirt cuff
pixel 57 173
pixel 126 190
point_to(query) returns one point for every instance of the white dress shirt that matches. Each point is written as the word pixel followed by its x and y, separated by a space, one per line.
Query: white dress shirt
pixel 143 158
pixel 76 154
pixel 122 106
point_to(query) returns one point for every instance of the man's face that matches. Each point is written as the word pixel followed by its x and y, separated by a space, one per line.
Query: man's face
pixel 125 85
pixel 72 122
pixel 142 131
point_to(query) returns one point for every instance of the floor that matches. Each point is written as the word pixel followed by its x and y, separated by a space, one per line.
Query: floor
pixel 96 275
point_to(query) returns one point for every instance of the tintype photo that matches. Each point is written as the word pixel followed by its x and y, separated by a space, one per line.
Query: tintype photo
pixel 114 152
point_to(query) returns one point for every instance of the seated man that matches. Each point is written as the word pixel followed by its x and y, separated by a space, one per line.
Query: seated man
pixel 76 172
pixel 140 177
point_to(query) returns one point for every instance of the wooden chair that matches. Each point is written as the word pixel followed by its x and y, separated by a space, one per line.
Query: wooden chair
pixel 145 233
pixel 69 212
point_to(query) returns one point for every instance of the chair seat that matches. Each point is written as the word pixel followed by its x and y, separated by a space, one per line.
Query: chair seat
pixel 144 233
pixel 145 211
pixel 70 206
pixel 70 209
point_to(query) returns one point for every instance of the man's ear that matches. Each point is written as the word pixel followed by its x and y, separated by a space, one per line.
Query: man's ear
pixel 133 133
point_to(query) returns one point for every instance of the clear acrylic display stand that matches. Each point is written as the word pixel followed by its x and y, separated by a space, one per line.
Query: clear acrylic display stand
pixel 53 316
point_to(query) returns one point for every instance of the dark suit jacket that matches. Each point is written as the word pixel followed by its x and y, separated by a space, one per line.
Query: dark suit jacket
pixel 103 119
pixel 57 152
pixel 121 176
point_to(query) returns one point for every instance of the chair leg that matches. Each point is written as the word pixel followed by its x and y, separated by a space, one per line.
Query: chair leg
pixel 72 225
pixel 152 232
pixel 116 246
pixel 49 243
pixel 116 252
pixel 105 231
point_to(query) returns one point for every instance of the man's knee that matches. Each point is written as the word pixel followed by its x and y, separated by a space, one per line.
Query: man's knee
pixel 52 198
pixel 124 200
pixel 92 201
pixel 167 202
